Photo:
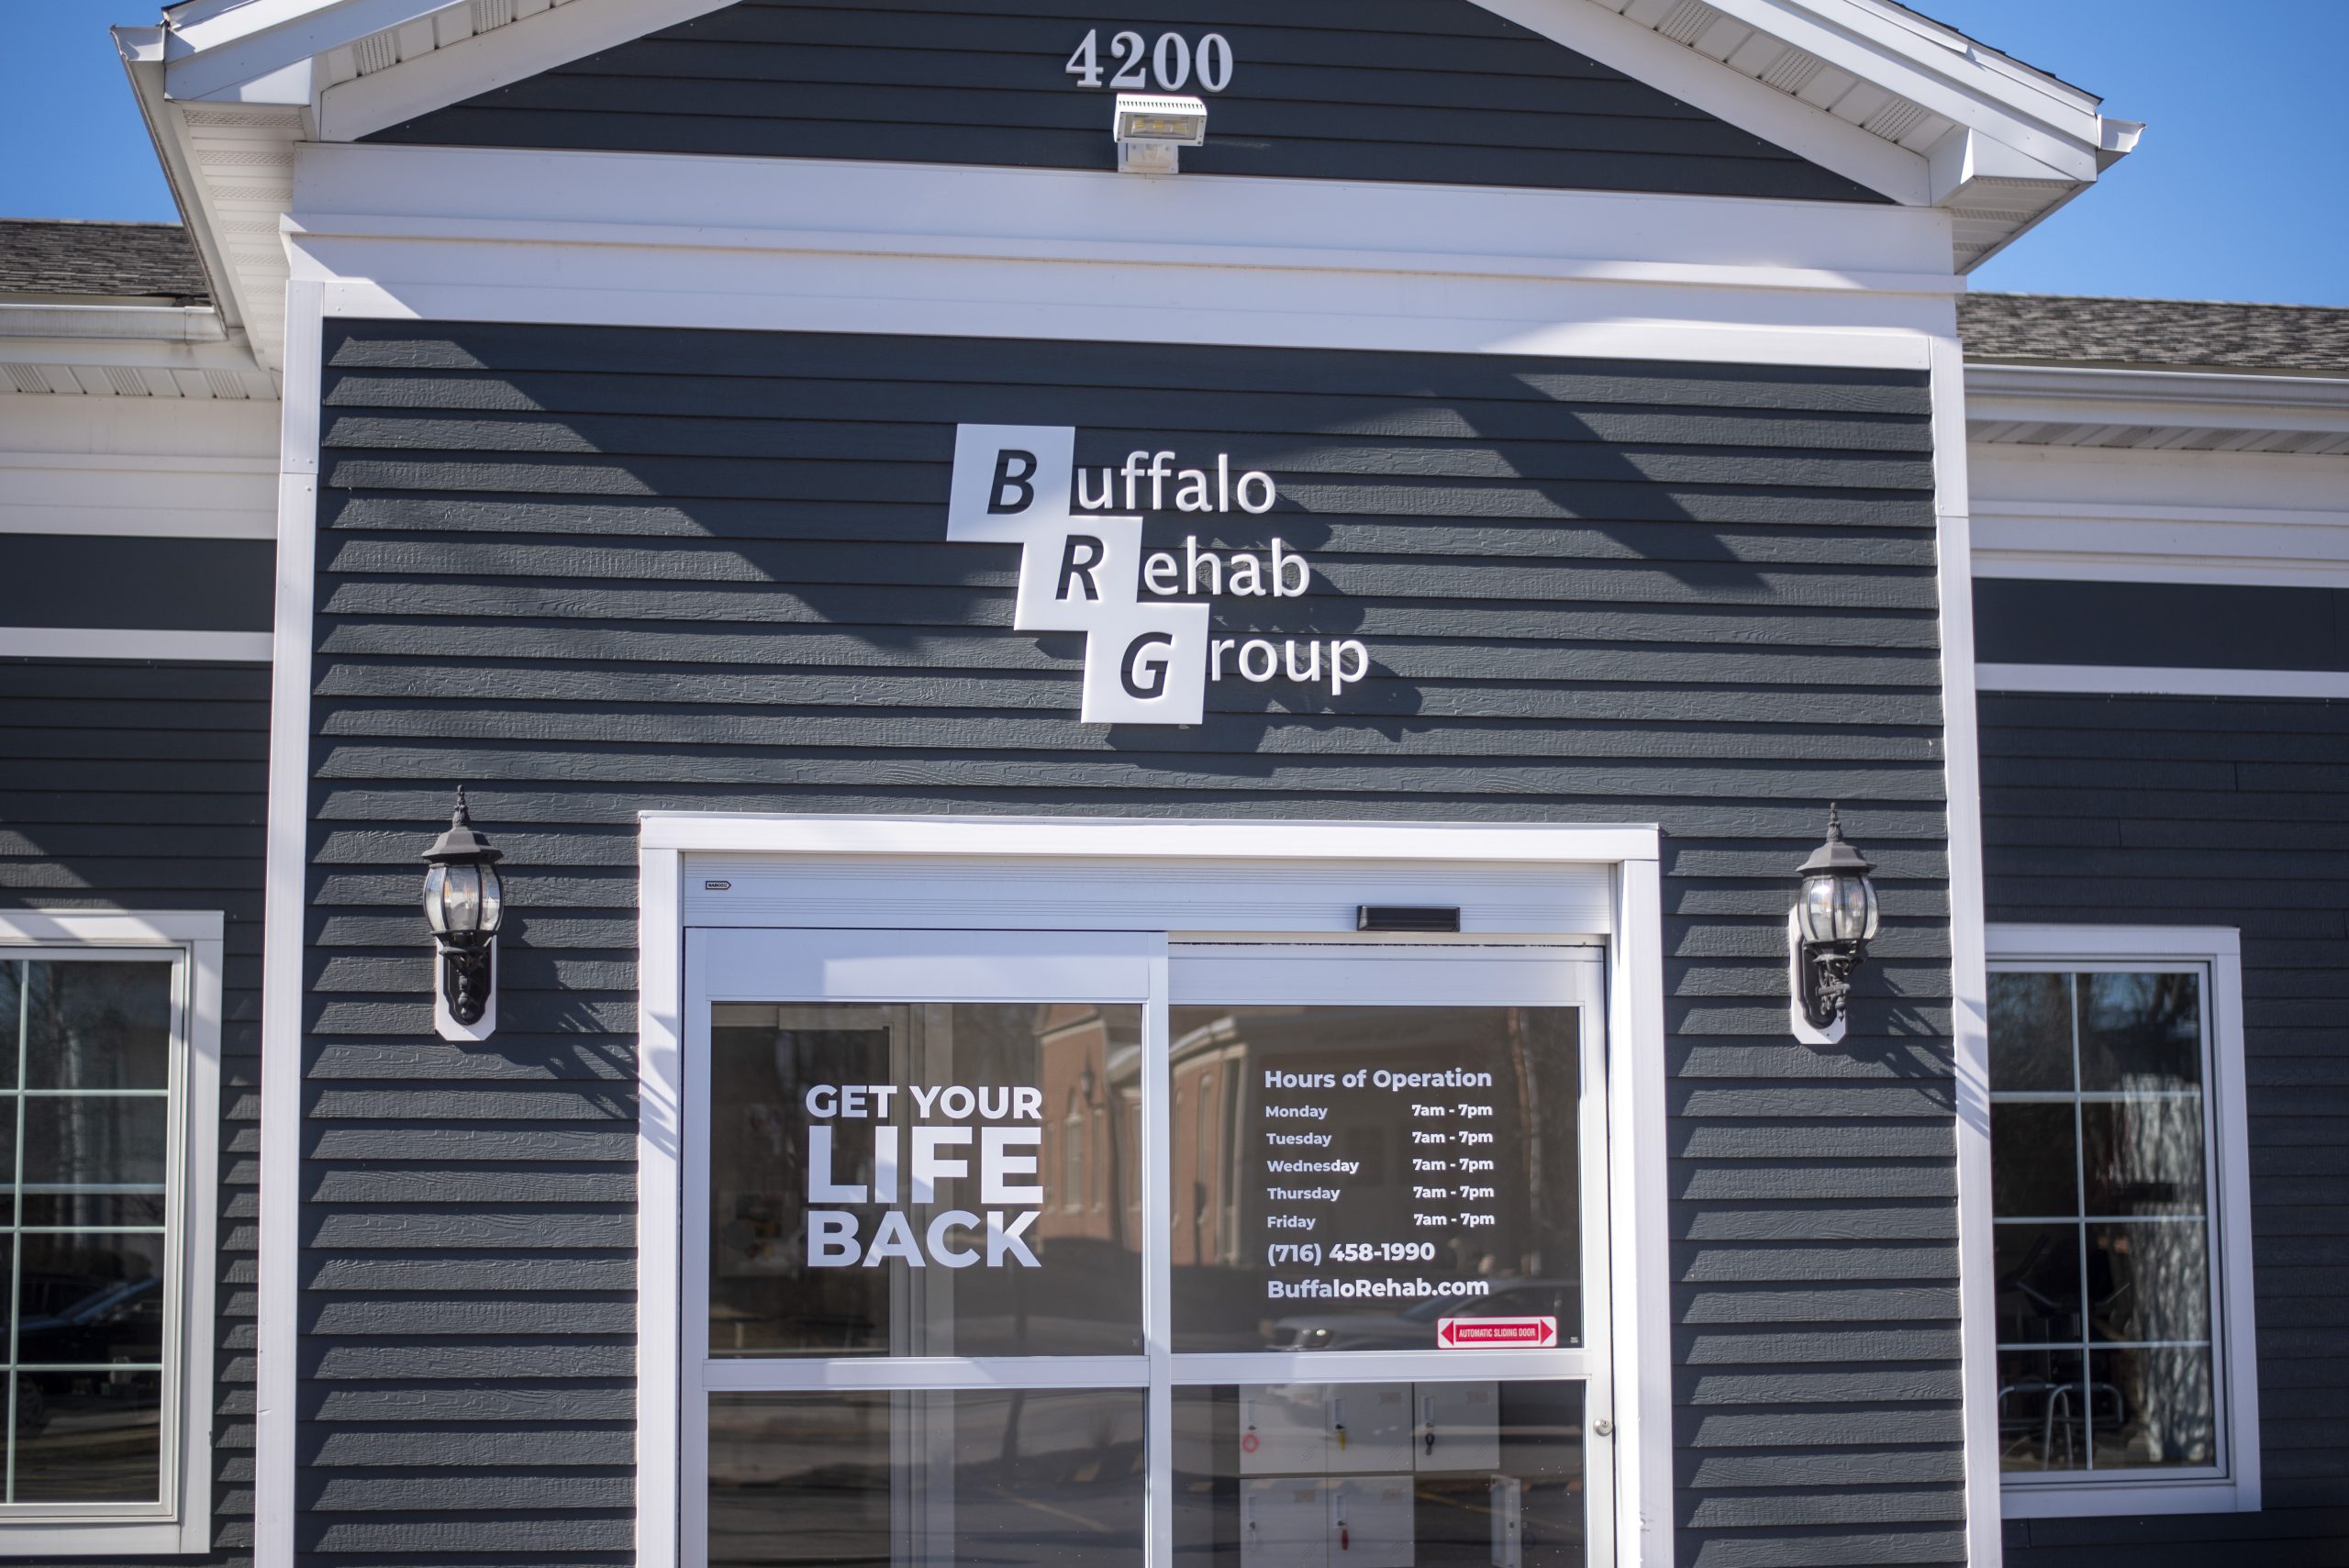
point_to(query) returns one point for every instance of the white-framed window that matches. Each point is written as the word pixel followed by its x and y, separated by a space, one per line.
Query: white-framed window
pixel 109 1086
pixel 2120 1197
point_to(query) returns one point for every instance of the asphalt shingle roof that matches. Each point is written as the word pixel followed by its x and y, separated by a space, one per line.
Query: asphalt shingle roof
pixel 2176 332
pixel 120 260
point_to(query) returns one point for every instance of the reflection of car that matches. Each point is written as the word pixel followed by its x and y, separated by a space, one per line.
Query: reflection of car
pixel 120 1321
pixel 1413 1328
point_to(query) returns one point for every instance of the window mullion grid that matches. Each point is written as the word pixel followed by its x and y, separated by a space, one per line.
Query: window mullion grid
pixel 2214 1304
pixel 17 1206
pixel 1158 1264
pixel 2080 1230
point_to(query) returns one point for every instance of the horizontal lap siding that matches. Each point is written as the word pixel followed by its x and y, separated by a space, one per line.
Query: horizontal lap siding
pixel 132 785
pixel 592 573
pixel 1435 90
pixel 2196 811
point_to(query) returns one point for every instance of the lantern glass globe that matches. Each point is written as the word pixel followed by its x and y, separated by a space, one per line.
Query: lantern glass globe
pixel 464 900
pixel 1838 908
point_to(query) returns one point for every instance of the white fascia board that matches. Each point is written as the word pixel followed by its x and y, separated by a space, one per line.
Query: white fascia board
pixel 2058 393
pixel 2060 130
pixel 220 49
pixel 142 50
pixel 1705 83
pixel 131 353
pixel 1896 20
pixel 487 61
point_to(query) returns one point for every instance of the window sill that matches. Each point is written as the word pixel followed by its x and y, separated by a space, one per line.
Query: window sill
pixel 2152 1495
pixel 100 1538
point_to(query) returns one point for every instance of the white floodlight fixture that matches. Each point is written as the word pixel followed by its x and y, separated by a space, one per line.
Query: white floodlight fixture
pixel 1153 129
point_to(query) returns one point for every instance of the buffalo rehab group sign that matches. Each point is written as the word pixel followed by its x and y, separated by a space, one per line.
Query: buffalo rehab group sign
pixel 1149 651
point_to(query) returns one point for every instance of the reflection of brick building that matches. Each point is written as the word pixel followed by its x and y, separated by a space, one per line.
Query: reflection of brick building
pixel 1092 1126
pixel 1210 1097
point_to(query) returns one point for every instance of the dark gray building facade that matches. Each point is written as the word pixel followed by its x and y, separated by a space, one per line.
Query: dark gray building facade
pixel 1146 711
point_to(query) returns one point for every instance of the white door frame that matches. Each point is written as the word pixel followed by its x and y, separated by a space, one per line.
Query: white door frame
pixel 1244 855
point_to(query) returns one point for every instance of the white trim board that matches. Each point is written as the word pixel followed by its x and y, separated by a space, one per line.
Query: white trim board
pixel 2118 680
pixel 196 939
pixel 2234 1342
pixel 2122 541
pixel 1969 980
pixel 179 647
pixel 285 883
pixel 660 240
pixel 931 208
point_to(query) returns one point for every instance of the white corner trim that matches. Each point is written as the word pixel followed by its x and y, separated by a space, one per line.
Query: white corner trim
pixel 2136 680
pixel 189 647
pixel 1969 977
pixel 1640 1229
pixel 275 1409
pixel 660 1214
pixel 183 1527
pixel 487 61
pixel 2235 1339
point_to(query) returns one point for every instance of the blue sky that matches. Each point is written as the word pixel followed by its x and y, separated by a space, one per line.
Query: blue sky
pixel 2236 193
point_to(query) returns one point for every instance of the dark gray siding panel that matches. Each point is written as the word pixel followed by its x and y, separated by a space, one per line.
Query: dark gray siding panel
pixel 144 786
pixel 595 571
pixel 2211 626
pixel 1436 91
pixel 153 584
pixel 2196 811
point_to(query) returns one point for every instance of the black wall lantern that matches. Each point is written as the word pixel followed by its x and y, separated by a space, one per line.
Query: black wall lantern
pixel 1828 934
pixel 463 902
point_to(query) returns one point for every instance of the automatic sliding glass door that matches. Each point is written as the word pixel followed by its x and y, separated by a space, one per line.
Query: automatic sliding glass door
pixel 1389 1312
pixel 1005 1249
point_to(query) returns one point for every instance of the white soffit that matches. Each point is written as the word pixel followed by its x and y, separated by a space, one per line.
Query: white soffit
pixel 2055 406
pixel 1940 119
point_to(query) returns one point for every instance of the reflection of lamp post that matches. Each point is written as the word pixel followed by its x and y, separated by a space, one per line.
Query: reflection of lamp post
pixel 1087 1083
pixel 1828 932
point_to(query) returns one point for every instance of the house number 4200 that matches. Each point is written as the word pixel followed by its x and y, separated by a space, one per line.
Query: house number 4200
pixel 1171 62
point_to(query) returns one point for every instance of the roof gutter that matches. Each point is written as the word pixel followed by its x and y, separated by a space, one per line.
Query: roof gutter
pixel 136 323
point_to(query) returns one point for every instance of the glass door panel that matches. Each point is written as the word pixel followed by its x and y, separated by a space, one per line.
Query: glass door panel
pixel 1350 1177
pixel 927 1478
pixel 994 1255
pixel 953 1142
pixel 1386 1256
